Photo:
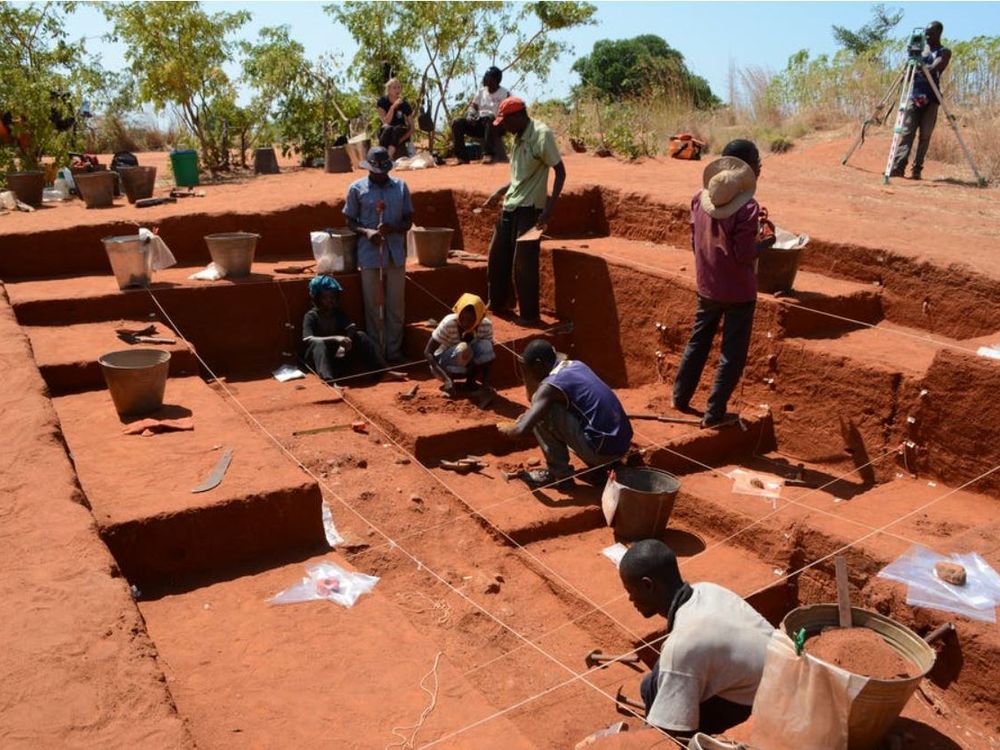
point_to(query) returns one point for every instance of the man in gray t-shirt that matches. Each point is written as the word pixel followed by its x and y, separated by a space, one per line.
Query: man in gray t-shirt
pixel 712 659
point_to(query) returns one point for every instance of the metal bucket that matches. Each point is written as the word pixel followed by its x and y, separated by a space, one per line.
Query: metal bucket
pixel 27 186
pixel 638 501
pixel 130 259
pixel 357 149
pixel 137 182
pixel 338 160
pixel 340 252
pixel 432 245
pixel 136 378
pixel 232 252
pixel 880 702
pixel 776 269
pixel 96 188
pixel 265 161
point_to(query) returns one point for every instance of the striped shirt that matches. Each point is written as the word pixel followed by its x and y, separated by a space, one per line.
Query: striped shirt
pixel 448 334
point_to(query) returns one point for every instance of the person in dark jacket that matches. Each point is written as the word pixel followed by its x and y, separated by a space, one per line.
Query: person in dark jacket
pixel 334 347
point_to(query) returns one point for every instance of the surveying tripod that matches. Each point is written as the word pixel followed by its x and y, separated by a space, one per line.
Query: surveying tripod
pixel 904 82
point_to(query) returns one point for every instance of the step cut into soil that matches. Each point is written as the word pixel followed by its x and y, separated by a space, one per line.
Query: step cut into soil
pixel 863 652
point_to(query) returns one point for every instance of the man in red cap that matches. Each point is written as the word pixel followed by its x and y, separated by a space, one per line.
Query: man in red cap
pixel 526 204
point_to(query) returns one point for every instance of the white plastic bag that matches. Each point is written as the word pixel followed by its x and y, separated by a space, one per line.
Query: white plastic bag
pixel 755 483
pixel 211 272
pixel 802 703
pixel 325 252
pixel 327 580
pixel 160 256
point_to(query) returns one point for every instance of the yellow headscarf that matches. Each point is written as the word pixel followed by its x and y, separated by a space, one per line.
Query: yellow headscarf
pixel 473 301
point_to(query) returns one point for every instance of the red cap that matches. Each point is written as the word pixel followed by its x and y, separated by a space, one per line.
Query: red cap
pixel 508 106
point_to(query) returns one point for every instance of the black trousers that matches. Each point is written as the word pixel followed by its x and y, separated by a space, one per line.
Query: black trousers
pixel 363 357
pixel 510 258
pixel 479 128
pixel 392 135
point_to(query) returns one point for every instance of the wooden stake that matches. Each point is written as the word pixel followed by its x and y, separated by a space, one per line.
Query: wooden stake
pixel 843 593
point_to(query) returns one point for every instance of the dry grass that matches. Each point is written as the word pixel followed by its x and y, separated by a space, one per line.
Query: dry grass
pixel 979 131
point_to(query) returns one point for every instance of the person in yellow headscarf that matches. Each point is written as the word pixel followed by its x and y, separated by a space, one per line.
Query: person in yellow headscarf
pixel 462 346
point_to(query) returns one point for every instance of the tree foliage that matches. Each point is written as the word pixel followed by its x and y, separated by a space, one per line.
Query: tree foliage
pixel 45 78
pixel 642 66
pixel 176 53
pixel 871 37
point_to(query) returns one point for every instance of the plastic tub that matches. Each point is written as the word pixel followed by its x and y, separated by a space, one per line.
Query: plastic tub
pixel 96 188
pixel 265 161
pixel 880 702
pixel 130 259
pixel 137 182
pixel 338 160
pixel 232 252
pixel 432 245
pixel 27 186
pixel 357 149
pixel 185 167
pixel 136 379
pixel 645 500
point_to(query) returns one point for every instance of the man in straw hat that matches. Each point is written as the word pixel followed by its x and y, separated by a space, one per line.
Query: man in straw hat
pixel 725 221
pixel 571 409
pixel 379 209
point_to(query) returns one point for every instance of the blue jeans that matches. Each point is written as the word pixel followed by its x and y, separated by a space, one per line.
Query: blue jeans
pixel 737 324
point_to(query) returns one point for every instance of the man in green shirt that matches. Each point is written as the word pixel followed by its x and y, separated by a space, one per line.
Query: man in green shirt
pixel 526 204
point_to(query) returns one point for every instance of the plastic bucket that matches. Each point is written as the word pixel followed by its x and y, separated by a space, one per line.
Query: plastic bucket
pixel 136 378
pixel 27 186
pixel 337 160
pixel 137 182
pixel 232 252
pixel 336 251
pixel 96 188
pixel 357 149
pixel 645 500
pixel 130 259
pixel 265 161
pixel 432 245
pixel 776 269
pixel 880 702
pixel 185 167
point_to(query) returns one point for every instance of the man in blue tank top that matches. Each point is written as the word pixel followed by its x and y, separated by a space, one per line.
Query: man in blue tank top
pixel 571 409
pixel 922 109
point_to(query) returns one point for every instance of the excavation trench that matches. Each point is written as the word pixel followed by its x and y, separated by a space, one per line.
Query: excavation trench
pixel 509 586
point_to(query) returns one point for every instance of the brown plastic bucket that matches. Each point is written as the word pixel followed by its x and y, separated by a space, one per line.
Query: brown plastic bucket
pixel 137 182
pixel 645 500
pixel 232 252
pixel 137 379
pixel 432 245
pixel 27 186
pixel 265 161
pixel 880 702
pixel 96 188
pixel 337 160
pixel 357 149
pixel 776 269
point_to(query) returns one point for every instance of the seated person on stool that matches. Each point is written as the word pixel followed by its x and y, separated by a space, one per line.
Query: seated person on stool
pixel 396 115
pixel 333 344
pixel 462 345
pixel 571 409
pixel 713 658
pixel 478 121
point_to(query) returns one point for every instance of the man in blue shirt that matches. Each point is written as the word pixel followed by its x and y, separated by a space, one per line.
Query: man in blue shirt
pixel 379 209
pixel 922 109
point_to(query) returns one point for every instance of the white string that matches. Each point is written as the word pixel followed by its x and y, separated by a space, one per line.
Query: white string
pixel 407 742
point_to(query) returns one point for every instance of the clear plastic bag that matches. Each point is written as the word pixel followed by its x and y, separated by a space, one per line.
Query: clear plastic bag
pixel 327 580
pixel 755 483
pixel 977 599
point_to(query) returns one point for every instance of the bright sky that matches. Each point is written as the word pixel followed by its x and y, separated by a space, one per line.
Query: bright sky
pixel 708 34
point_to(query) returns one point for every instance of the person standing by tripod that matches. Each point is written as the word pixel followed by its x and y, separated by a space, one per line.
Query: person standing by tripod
pixel 922 109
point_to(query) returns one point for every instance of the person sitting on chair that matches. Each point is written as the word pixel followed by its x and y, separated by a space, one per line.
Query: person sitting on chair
pixel 571 408
pixel 396 115
pixel 478 121
pixel 333 344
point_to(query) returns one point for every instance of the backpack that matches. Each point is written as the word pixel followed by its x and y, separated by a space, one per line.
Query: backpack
pixel 123 159
pixel 685 146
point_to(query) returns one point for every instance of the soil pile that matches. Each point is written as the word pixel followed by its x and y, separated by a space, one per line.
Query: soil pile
pixel 861 651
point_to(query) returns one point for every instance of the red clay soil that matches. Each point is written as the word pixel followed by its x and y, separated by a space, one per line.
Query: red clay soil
pixel 861 651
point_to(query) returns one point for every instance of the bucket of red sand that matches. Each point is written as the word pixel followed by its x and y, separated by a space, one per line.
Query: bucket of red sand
pixel 890 655
pixel 638 501
pixel 136 378
pixel 432 245
pixel 96 188
pixel 232 252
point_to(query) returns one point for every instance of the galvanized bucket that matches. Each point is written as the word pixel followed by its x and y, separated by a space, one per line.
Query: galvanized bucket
pixel 880 702
pixel 232 252
pixel 137 182
pixel 130 259
pixel 340 254
pixel 136 378
pixel 338 160
pixel 432 245
pixel 638 502
pixel 357 149
pixel 96 188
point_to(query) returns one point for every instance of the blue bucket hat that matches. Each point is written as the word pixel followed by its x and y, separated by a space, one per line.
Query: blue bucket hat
pixel 320 284
pixel 378 160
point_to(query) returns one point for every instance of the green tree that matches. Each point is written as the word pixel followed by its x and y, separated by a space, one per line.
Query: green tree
pixel 176 52
pixel 639 66
pixel 45 78
pixel 871 37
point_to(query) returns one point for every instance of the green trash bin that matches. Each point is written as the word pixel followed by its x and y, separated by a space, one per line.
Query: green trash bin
pixel 185 167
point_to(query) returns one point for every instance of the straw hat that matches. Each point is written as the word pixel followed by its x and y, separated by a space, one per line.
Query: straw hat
pixel 729 185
